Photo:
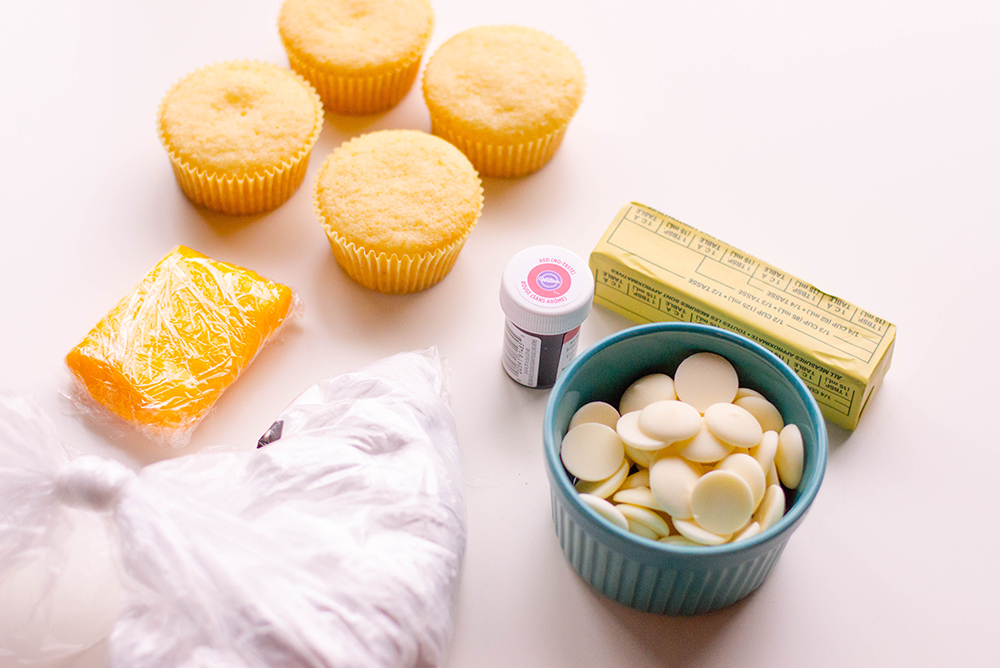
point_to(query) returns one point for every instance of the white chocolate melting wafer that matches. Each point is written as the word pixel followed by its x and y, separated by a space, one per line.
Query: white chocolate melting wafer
pixel 733 425
pixel 646 390
pixel 763 410
pixel 747 392
pixel 698 535
pixel 704 379
pixel 764 452
pixel 747 468
pixel 592 451
pixel 790 456
pixel 630 433
pixel 638 479
pixel 608 486
pixel 752 530
pixel 640 529
pixel 670 421
pixel 637 496
pixel 721 502
pixel 771 509
pixel 646 517
pixel 703 447
pixel 671 480
pixel 596 411
pixel 605 509
pixel 643 458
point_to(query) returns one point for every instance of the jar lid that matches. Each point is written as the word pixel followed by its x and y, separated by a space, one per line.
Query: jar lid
pixel 546 290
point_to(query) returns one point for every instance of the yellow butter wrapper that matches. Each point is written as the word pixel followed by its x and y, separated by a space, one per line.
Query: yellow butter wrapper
pixel 650 267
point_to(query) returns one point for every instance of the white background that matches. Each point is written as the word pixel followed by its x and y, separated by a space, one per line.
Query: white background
pixel 853 144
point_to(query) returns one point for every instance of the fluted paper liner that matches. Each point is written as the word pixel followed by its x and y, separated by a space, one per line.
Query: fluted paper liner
pixel 393 274
pixel 357 94
pixel 506 160
pixel 246 193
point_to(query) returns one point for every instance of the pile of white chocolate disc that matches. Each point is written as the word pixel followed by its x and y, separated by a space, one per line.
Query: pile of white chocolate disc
pixel 692 460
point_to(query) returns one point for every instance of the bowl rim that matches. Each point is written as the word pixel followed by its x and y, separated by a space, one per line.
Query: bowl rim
pixel 790 519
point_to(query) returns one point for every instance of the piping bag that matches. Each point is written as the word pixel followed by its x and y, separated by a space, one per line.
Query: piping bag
pixel 338 542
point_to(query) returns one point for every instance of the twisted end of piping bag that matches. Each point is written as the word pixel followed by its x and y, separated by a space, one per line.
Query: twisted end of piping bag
pixel 92 483
pixel 59 582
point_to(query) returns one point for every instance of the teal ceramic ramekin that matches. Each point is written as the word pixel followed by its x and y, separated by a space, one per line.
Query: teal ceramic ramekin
pixel 641 573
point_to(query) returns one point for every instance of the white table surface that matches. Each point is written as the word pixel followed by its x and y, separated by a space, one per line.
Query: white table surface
pixel 853 144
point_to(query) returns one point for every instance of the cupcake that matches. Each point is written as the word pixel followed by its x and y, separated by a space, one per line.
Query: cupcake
pixel 361 55
pixel 397 206
pixel 504 96
pixel 239 134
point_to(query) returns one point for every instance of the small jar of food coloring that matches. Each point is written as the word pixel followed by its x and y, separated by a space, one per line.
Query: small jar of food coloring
pixel 546 293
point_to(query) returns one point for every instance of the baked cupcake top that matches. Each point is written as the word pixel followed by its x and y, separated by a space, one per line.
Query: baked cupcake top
pixel 352 35
pixel 240 118
pixel 398 191
pixel 504 82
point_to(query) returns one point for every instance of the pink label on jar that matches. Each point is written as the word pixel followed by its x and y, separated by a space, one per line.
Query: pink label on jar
pixel 549 280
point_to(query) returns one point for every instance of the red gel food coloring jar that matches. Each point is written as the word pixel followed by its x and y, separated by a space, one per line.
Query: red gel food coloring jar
pixel 546 293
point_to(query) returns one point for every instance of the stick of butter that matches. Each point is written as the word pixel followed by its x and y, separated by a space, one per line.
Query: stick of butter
pixel 650 267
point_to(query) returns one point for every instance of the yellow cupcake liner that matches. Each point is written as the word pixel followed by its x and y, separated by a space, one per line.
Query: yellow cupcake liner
pixel 240 195
pixel 246 193
pixel 505 160
pixel 357 95
pixel 393 274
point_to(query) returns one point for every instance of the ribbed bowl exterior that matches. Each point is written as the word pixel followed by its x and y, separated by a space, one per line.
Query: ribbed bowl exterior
pixel 641 579
pixel 644 574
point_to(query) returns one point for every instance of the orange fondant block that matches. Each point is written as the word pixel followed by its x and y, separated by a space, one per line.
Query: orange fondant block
pixel 163 355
